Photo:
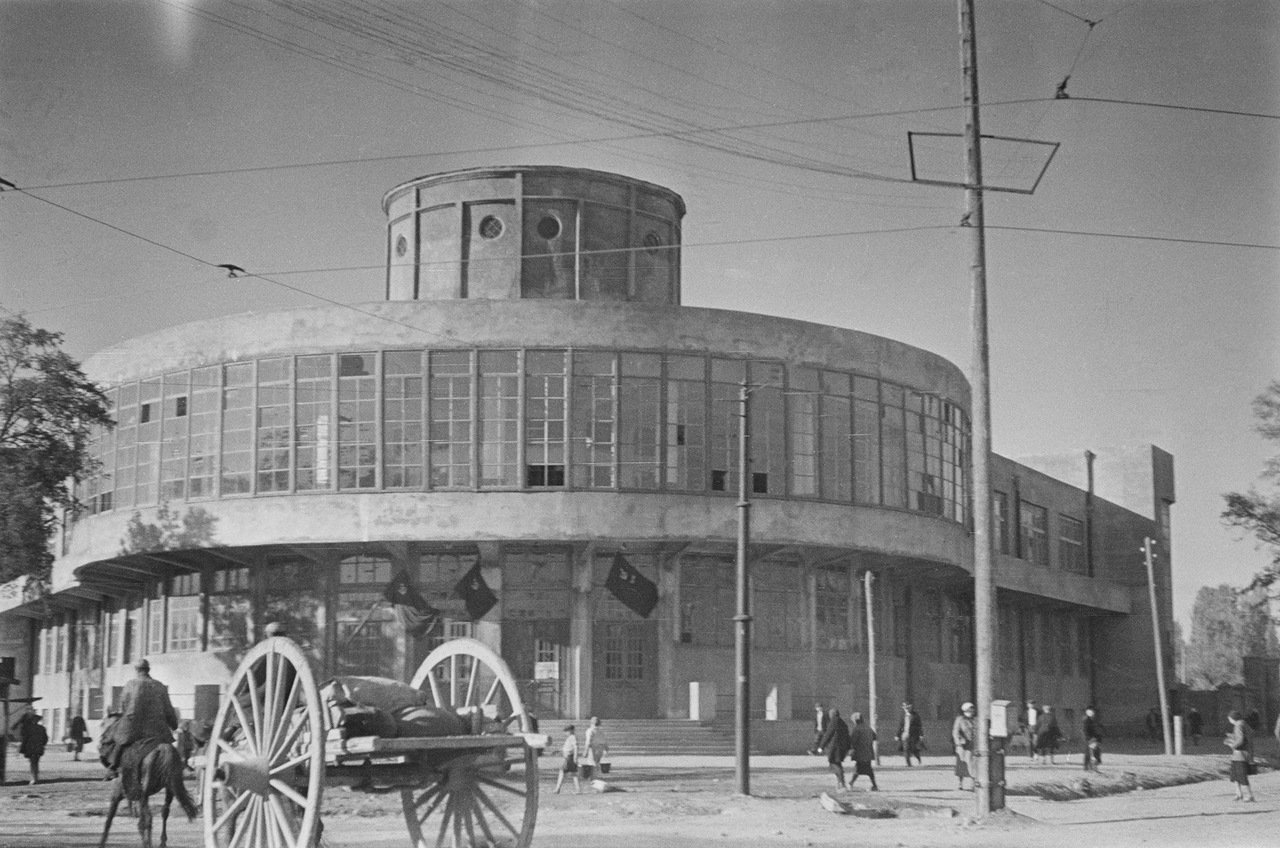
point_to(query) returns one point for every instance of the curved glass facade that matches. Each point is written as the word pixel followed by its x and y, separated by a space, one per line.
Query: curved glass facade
pixel 527 419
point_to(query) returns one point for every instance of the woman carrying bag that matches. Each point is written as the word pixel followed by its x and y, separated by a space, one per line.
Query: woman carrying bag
pixel 1241 745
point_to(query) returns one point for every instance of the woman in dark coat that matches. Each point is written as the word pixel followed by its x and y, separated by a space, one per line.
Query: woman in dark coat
pixel 32 741
pixel 835 744
pixel 862 750
pixel 79 733
pixel 1048 734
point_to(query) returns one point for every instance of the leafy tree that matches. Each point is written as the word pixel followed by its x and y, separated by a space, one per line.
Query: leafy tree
pixel 47 407
pixel 1257 511
pixel 1226 626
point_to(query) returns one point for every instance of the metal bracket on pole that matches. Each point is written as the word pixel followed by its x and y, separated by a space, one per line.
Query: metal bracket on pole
pixel 916 178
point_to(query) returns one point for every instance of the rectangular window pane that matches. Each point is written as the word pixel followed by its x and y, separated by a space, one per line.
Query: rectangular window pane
pixel 451 419
pixel 357 421
pixel 594 420
pixel 175 422
pixel 707 601
pixel 866 451
pixel 802 412
pixel 313 423
pixel 831 599
pixel 274 424
pixel 202 463
pixel 403 431
pixel 184 623
pixel 1035 533
pixel 686 424
pixel 893 444
pixel 155 626
pixel 237 428
pixel 725 415
pixel 148 441
pixel 640 413
pixel 545 418
pixel 777 604
pixel 768 429
pixel 1071 554
pixel 1000 518
pixel 499 418
pixel 836 451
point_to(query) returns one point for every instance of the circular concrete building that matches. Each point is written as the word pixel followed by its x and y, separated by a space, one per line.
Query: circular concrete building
pixel 531 405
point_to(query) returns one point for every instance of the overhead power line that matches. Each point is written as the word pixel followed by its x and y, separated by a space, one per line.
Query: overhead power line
pixel 358 160
pixel 220 267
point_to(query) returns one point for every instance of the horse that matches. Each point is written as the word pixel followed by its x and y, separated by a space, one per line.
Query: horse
pixel 160 768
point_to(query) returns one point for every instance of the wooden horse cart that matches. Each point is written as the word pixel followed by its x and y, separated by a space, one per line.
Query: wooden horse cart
pixel 272 752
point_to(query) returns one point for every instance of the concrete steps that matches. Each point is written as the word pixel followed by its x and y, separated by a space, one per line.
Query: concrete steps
pixel 630 737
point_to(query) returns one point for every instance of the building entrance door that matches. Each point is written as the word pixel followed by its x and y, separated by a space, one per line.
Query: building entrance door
pixel 625 669
pixel 538 653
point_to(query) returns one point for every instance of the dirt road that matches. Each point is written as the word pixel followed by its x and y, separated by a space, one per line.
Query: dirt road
pixel 678 803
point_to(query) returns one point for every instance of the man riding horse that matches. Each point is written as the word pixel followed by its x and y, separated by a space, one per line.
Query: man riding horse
pixel 146 714
pixel 138 749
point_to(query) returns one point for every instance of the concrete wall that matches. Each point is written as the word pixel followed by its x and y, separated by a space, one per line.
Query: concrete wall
pixel 437 248
pixel 502 324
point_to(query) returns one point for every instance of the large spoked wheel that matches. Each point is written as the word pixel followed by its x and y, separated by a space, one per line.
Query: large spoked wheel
pixel 483 798
pixel 264 766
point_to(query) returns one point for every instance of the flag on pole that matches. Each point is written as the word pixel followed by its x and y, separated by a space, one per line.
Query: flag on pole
pixel 475 593
pixel 412 610
pixel 631 587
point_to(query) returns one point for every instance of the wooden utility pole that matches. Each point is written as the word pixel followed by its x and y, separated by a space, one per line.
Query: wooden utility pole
pixel 867 579
pixel 1155 632
pixel 742 635
pixel 983 573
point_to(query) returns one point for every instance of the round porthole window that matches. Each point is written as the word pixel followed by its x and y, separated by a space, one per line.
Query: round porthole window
pixel 652 242
pixel 548 227
pixel 402 246
pixel 490 227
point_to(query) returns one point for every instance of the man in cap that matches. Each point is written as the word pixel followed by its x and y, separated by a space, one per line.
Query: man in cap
pixel 910 733
pixel 146 712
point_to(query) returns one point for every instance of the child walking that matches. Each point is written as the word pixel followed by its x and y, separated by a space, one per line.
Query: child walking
pixel 570 763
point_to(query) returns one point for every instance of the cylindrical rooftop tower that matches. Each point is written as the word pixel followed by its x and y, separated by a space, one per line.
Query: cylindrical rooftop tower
pixel 533 232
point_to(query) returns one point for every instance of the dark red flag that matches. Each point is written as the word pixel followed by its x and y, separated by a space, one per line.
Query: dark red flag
pixel 631 587
pixel 412 610
pixel 475 593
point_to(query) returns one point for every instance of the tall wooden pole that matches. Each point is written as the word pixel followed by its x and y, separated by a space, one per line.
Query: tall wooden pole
pixel 983 573
pixel 872 699
pixel 742 635
pixel 1155 632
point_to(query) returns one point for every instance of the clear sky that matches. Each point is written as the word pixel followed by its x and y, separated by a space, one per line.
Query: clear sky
pixel 264 134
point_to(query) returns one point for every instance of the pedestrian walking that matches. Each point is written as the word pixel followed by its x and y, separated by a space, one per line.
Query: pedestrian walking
pixel 1048 734
pixel 910 733
pixel 595 745
pixel 862 750
pixel 835 745
pixel 569 765
pixel 1240 742
pixel 962 735
pixel 819 727
pixel 1092 739
pixel 32 740
pixel 1195 725
pixel 1029 729
pixel 1154 723
pixel 78 734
